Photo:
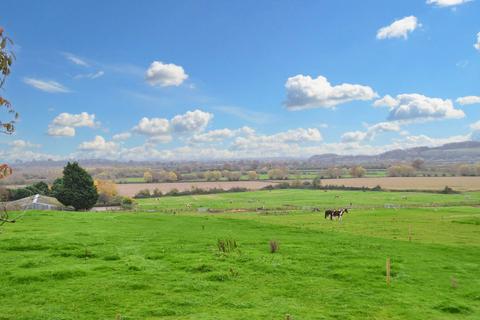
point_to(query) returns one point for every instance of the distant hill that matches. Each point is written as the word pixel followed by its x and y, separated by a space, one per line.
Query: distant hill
pixel 458 152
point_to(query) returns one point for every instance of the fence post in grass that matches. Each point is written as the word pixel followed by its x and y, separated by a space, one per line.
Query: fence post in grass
pixel 388 271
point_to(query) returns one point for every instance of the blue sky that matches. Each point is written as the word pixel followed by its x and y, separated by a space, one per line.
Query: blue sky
pixel 221 79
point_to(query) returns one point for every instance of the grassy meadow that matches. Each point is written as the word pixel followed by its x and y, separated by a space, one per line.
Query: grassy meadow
pixel 163 262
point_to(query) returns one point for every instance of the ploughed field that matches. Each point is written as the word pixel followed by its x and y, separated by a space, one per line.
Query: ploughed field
pixel 131 189
pixel 410 183
pixel 164 262
pixel 388 183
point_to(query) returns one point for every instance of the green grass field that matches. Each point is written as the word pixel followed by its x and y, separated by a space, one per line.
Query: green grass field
pixel 162 262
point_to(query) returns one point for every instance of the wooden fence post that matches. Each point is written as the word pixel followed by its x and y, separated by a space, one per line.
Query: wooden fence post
pixel 388 271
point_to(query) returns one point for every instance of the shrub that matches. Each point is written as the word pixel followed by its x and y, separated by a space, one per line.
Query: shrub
pixel 145 193
pixel 127 203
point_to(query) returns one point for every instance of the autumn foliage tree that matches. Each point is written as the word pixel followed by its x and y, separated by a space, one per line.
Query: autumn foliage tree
pixel 357 171
pixel 6 60
pixel 8 127
pixel 107 190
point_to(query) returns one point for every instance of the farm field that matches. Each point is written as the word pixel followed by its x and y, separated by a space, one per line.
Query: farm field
pixel 132 189
pixel 162 262
pixel 410 183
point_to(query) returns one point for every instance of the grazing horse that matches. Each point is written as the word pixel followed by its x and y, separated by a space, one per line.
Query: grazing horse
pixel 339 213
pixel 329 213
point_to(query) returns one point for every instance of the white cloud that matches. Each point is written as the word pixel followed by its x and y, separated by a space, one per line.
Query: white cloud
pixel 304 92
pixel 408 107
pixel 160 139
pixel 122 136
pixel 74 120
pixel 475 126
pixel 276 144
pixel 61 131
pixel 76 60
pixel 22 144
pixel 468 100
pixel 98 144
pixel 477 44
pixel 299 135
pixel 354 136
pixel 165 74
pixel 160 130
pixel 424 140
pixel 65 123
pixel 399 28
pixel 92 76
pixel 447 3
pixel 213 136
pixel 191 121
pixel 371 132
pixel 46 85
pixel 386 101
pixel 153 127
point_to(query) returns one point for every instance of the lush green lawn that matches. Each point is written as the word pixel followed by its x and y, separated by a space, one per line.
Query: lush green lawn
pixel 160 265
pixel 308 199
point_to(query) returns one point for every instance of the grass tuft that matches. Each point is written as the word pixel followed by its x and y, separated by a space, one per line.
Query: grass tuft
pixel 274 246
pixel 226 245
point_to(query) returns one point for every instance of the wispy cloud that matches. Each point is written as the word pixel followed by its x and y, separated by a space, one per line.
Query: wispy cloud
pixel 93 75
pixel 46 85
pixel 247 115
pixel 75 59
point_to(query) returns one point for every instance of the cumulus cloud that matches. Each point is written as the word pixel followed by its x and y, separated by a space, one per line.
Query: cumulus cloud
pixel 74 120
pixel 447 3
pixel 213 136
pixel 22 144
pixel 475 126
pixel 153 126
pixel 276 144
pixel 61 131
pixel 122 136
pixel 165 74
pixel 477 44
pixel 98 144
pixel 65 123
pixel 160 130
pixel 399 28
pixel 191 121
pixel 371 132
pixel 424 140
pixel 305 92
pixel 408 107
pixel 468 100
pixel 46 85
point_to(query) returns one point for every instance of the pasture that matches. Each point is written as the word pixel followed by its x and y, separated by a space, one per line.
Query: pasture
pixel 163 261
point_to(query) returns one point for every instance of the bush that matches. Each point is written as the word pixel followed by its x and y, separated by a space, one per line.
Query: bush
pixel 145 193
pixel 127 203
